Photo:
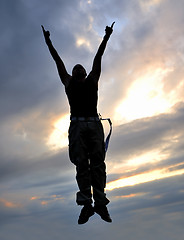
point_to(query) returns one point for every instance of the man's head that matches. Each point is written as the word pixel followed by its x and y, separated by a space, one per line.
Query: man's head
pixel 79 72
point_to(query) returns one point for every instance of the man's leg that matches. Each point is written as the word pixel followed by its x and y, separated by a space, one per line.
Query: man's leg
pixel 78 153
pixel 97 162
pixel 79 156
pixel 98 170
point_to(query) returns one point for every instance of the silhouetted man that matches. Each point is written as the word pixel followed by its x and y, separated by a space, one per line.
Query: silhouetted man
pixel 86 135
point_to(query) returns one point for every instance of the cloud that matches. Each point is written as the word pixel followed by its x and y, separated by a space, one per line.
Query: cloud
pixel 147 38
pixel 47 168
pixel 150 195
pixel 147 134
pixel 141 212
pixel 134 56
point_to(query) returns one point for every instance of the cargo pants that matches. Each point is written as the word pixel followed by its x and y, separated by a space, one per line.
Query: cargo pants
pixel 87 152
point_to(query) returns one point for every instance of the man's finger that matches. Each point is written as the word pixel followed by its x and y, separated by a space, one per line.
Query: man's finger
pixel 43 28
pixel 112 25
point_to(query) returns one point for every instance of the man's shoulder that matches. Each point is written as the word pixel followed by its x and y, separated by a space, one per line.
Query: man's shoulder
pixel 66 81
pixel 92 77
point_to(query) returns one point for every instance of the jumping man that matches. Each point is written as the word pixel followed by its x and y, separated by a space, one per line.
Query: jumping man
pixel 86 134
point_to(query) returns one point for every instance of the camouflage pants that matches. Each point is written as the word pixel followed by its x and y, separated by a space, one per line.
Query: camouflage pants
pixel 86 151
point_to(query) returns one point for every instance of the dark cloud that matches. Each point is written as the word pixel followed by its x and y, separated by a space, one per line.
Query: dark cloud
pixel 140 211
pixel 27 80
pixel 41 167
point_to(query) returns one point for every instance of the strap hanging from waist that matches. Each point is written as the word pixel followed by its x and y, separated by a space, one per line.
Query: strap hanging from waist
pixel 110 131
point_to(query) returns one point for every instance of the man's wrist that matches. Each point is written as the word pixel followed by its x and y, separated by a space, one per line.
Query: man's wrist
pixel 48 41
pixel 106 37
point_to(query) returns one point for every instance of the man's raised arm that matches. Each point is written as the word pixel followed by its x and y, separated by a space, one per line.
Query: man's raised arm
pixel 96 68
pixel 64 76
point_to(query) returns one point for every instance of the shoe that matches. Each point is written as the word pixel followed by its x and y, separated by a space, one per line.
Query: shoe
pixel 103 212
pixel 86 212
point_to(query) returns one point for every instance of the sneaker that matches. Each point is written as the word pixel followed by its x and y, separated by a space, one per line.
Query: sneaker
pixel 86 212
pixel 103 212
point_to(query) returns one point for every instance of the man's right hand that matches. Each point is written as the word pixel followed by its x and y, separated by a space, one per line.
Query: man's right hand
pixel 45 33
pixel 109 30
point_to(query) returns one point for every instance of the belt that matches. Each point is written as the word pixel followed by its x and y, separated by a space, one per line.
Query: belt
pixel 85 119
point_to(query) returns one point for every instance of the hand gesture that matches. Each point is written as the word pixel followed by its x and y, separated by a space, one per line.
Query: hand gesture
pixel 45 33
pixel 109 30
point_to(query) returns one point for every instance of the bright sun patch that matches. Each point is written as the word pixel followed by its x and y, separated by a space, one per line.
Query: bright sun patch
pixel 83 42
pixel 145 98
pixel 59 136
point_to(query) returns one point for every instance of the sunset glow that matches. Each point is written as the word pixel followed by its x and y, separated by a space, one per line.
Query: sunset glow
pixel 145 97
pixel 59 136
pixel 143 178
pixel 149 157
pixel 9 204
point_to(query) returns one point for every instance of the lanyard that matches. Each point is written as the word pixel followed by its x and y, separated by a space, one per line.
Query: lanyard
pixel 110 131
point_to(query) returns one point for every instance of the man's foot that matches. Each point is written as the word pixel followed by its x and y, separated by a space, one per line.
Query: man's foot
pixel 103 212
pixel 86 212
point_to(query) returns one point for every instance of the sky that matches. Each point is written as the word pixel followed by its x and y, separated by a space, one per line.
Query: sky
pixel 141 89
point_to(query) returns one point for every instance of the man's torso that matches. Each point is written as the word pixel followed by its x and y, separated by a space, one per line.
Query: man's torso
pixel 82 97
